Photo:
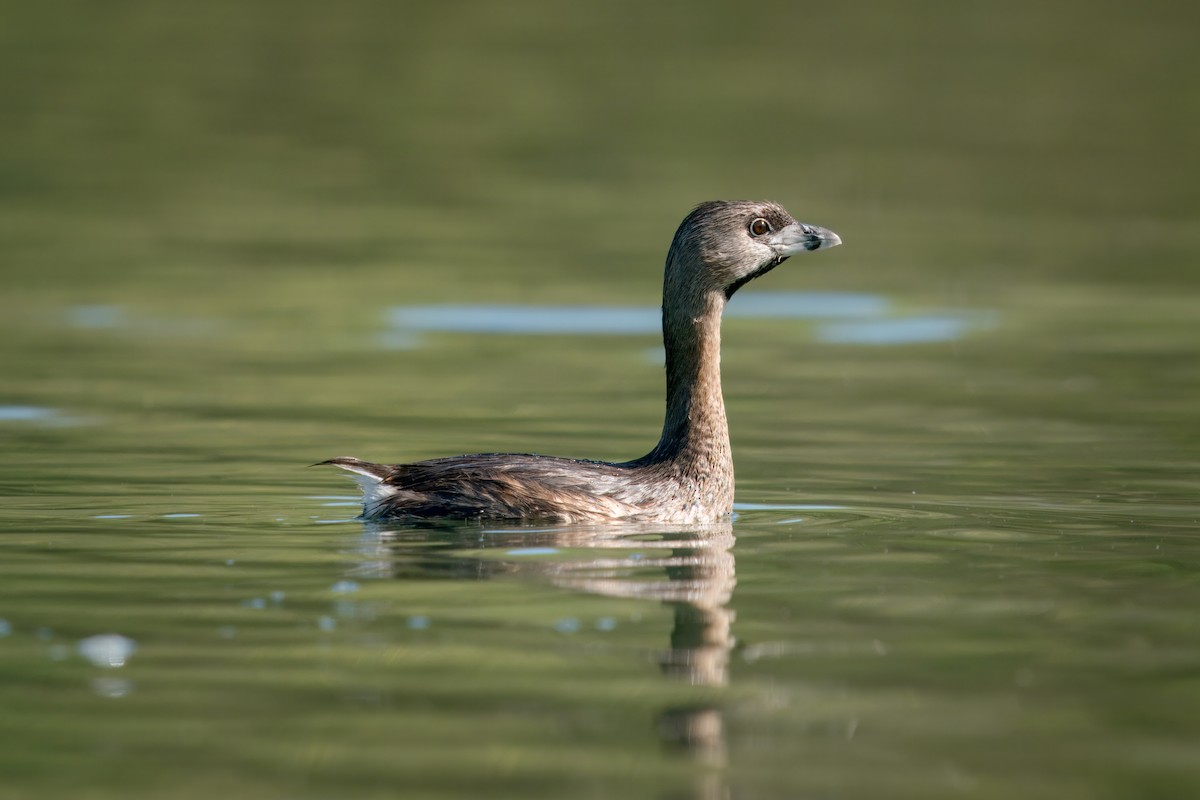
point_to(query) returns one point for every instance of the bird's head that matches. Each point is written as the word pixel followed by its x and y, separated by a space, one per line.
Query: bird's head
pixel 724 244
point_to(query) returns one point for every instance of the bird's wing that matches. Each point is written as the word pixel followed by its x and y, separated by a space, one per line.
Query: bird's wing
pixel 517 486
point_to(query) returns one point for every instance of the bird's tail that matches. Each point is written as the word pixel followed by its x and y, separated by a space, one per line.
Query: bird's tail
pixel 370 478
pixel 375 472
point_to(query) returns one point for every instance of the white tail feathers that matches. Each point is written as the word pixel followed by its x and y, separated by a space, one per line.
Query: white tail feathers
pixel 369 478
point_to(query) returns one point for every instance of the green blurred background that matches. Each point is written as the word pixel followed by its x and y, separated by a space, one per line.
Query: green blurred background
pixel 260 155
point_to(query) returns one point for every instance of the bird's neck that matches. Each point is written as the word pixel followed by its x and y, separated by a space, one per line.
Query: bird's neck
pixel 695 436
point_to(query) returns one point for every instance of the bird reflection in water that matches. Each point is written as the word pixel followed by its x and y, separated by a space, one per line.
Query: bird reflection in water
pixel 693 572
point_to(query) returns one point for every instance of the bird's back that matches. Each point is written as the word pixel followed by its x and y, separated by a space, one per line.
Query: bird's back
pixel 499 486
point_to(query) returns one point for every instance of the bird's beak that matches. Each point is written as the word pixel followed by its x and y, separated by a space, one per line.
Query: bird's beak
pixel 799 238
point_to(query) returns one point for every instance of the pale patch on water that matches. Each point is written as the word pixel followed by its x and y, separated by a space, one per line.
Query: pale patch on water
pixel 39 415
pixel 96 317
pixel 337 501
pixel 807 305
pixel 100 317
pixel 26 414
pixel 115 688
pixel 842 317
pixel 944 327
pixel 529 320
pixel 533 551
pixel 107 649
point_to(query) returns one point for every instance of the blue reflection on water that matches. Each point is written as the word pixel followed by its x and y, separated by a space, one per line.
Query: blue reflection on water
pixel 841 317
pixel 100 317
pixel 593 320
pixel 27 414
pixel 904 330
pixel 806 305
pixel 40 415
pixel 96 317
pixel 533 551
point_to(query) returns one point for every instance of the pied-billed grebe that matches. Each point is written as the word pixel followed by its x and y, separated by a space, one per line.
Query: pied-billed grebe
pixel 688 476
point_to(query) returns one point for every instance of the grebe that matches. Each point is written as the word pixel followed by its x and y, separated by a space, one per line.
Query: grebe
pixel 688 476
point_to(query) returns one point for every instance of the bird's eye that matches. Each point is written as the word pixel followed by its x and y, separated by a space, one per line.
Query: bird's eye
pixel 760 227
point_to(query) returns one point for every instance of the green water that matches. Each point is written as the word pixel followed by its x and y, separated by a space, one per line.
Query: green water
pixel 965 559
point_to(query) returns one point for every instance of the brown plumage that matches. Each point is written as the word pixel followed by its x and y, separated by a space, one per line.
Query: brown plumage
pixel 688 476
